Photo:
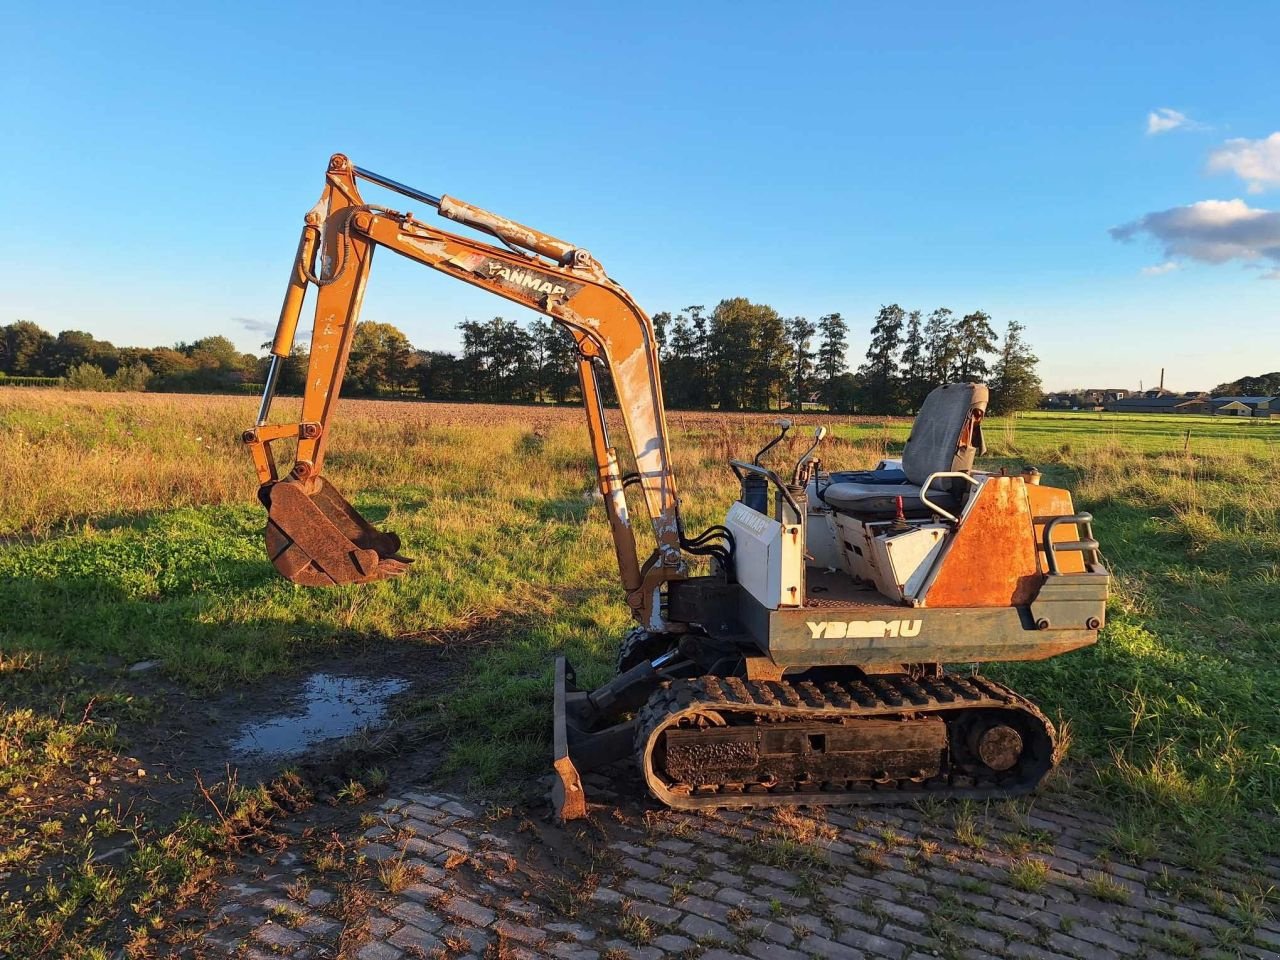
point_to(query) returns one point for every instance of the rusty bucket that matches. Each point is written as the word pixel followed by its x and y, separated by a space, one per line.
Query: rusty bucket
pixel 317 539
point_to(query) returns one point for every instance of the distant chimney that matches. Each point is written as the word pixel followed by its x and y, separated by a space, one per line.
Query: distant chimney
pixel 1162 379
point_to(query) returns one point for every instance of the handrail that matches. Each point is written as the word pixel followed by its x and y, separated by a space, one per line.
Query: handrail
pixel 740 465
pixel 1087 545
pixel 924 491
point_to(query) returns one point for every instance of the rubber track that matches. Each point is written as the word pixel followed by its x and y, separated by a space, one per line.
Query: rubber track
pixel 883 696
pixel 639 644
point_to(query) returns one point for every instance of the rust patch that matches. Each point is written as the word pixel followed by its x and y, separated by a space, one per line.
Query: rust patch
pixel 317 539
pixel 991 560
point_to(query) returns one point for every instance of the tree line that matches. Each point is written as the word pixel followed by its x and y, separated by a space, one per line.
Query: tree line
pixel 738 355
pixel 1263 385
pixel 208 364
pixel 910 354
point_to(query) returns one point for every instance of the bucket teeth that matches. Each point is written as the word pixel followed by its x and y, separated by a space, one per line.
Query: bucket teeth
pixel 317 539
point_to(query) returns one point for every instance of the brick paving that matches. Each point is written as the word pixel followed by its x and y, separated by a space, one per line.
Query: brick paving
pixel 1030 879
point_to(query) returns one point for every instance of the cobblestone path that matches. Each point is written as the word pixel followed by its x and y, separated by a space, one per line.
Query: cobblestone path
pixel 439 877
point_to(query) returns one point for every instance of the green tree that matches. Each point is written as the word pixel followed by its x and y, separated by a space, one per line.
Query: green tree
pixel 680 363
pixel 769 373
pixel 293 372
pixel 733 349
pixel 1014 383
pixel 800 335
pixel 499 357
pixel 217 353
pixel 210 363
pixel 380 358
pixel 555 361
pixel 700 330
pixel 437 375
pixel 73 347
pixel 686 363
pixel 843 393
pixel 1263 385
pixel 661 321
pixel 171 367
pixel 974 339
pixel 879 374
pixel 940 347
pixel 915 371
pixel 833 350
pixel 24 348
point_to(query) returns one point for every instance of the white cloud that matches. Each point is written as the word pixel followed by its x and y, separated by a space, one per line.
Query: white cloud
pixel 1211 231
pixel 1164 119
pixel 1255 161
pixel 1167 267
pixel 256 326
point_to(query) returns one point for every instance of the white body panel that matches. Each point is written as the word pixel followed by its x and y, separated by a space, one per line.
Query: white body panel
pixel 855 547
pixel 902 560
pixel 768 557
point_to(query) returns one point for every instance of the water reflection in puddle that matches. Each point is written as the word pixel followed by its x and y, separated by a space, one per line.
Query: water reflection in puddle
pixel 327 707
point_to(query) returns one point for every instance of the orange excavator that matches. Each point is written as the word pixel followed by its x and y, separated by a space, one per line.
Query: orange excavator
pixel 803 662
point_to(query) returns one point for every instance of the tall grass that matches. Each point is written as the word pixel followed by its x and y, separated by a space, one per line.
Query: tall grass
pixel 129 529
pixel 1174 708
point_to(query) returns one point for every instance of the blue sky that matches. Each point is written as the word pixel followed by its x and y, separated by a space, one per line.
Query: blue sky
pixel 815 157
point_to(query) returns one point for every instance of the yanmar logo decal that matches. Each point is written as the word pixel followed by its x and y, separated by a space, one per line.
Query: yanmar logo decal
pixel 863 629
pixel 757 523
pixel 533 282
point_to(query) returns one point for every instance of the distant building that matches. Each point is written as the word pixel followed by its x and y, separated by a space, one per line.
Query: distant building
pixel 1154 402
pixel 1082 400
pixel 1245 406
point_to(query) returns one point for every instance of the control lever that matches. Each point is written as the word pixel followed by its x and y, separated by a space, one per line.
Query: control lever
pixel 785 424
pixel 799 476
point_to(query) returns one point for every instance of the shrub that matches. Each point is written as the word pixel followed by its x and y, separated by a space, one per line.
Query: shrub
pixel 134 377
pixel 87 376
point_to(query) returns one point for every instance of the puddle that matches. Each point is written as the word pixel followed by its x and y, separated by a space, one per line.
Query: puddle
pixel 327 707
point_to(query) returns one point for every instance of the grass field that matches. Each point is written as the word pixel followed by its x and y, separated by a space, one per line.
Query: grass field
pixel 129 531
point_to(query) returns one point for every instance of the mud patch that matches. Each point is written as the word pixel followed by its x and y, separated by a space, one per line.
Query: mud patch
pixel 326 708
pixel 350 714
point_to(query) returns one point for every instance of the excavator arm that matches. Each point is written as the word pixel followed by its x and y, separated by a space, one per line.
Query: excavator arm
pixel 314 535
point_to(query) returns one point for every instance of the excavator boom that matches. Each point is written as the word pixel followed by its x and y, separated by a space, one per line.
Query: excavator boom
pixel 314 536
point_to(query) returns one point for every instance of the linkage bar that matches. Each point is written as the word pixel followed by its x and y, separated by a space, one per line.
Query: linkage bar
pixel 395 185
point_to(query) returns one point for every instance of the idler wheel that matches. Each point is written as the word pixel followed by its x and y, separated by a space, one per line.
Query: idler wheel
pixel 998 746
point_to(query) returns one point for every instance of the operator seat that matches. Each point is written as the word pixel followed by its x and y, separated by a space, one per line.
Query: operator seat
pixel 945 437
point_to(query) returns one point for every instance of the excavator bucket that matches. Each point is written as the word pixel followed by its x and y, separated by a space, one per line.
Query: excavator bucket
pixel 317 539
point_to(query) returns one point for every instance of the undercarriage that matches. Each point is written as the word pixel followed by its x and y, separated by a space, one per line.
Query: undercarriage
pixel 713 722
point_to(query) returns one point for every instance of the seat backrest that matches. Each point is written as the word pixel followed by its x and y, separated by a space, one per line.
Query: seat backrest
pixel 947 432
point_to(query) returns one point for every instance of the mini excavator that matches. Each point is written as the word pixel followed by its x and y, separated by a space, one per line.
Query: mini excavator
pixel 793 654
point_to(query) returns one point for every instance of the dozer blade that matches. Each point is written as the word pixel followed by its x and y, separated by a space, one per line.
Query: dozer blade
pixel 318 539
pixel 568 800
